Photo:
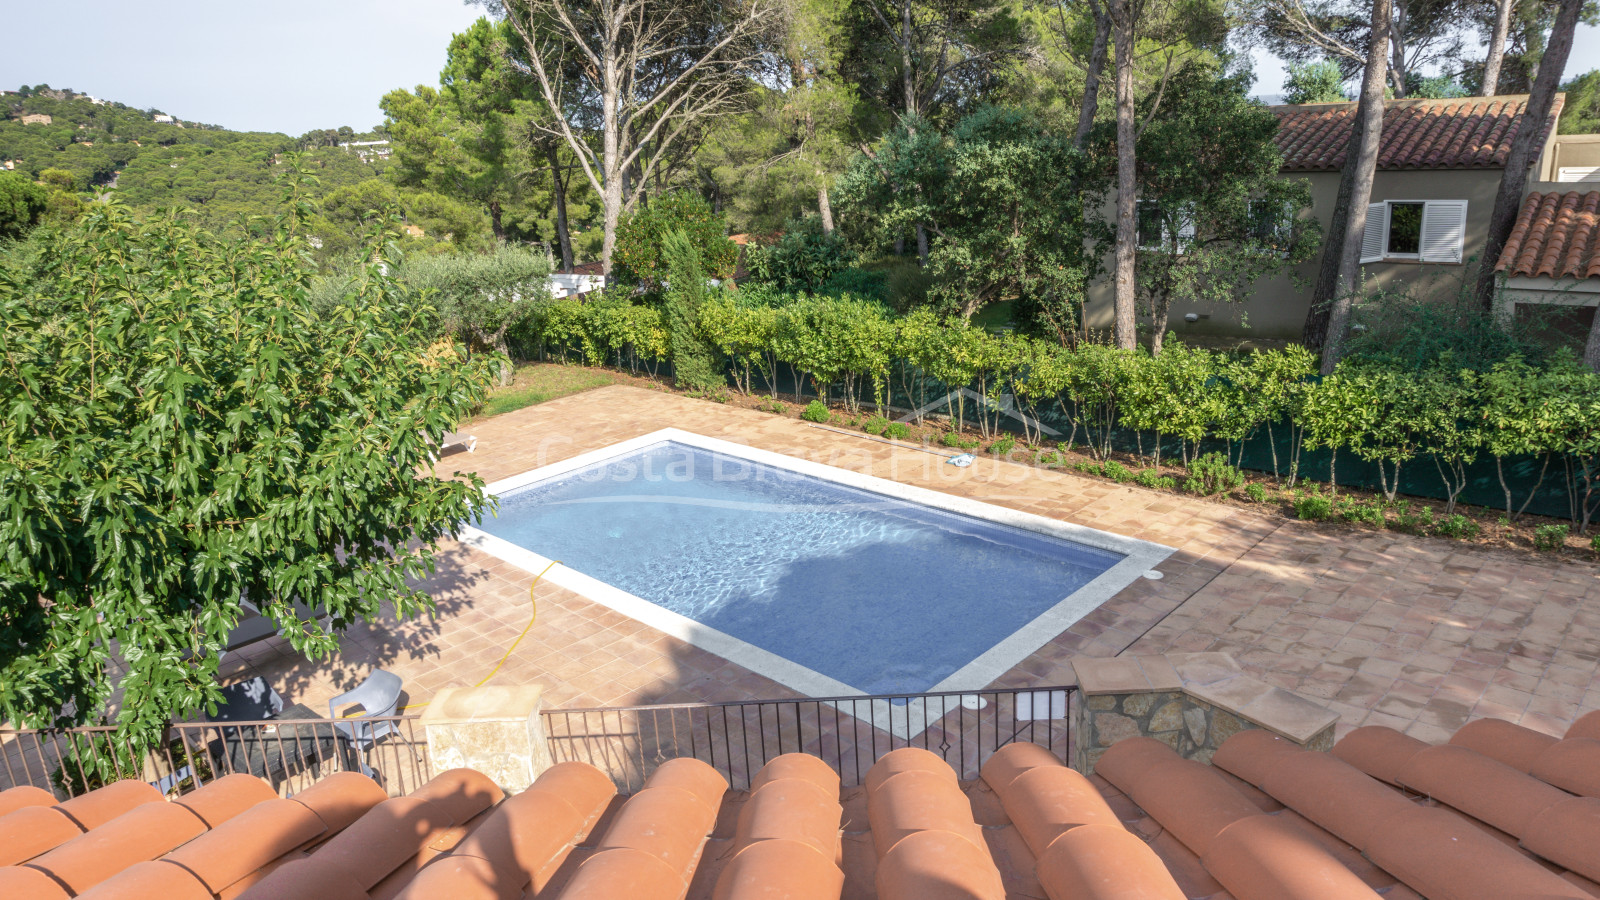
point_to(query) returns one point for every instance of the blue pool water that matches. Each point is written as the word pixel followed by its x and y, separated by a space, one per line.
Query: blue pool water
pixel 885 595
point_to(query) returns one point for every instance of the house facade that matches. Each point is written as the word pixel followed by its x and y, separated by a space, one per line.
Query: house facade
pixel 1440 164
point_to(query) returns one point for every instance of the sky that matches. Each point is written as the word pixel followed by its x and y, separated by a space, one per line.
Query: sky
pixel 290 65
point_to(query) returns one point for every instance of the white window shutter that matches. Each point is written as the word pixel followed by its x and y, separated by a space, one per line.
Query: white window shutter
pixel 1185 232
pixel 1375 239
pixel 1444 230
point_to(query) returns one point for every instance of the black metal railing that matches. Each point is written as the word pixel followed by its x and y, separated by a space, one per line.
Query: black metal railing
pixel 965 728
pixel 289 754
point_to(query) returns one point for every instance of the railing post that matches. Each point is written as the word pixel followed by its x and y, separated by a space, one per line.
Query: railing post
pixel 498 731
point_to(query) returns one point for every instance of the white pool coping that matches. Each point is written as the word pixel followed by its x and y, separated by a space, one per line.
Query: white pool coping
pixel 1139 557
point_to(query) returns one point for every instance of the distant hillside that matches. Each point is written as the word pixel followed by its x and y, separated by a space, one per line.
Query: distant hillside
pixel 150 162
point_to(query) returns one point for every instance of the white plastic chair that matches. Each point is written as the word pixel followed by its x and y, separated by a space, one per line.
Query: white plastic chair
pixel 379 696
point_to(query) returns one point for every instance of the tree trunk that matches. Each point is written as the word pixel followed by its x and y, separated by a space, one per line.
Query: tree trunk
pixel 1161 308
pixel 1525 147
pixel 1127 182
pixel 1315 335
pixel 1091 79
pixel 559 189
pixel 1497 49
pixel 494 221
pixel 1369 115
pixel 1591 352
pixel 824 207
pixel 1397 48
pixel 610 165
pixel 922 246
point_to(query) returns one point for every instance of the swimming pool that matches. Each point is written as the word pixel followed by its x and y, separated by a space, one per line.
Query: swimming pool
pixel 828 581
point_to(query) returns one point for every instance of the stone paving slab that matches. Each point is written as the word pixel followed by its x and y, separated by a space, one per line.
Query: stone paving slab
pixel 1418 633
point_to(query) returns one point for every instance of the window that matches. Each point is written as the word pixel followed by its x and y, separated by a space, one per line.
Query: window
pixel 1272 223
pixel 1155 233
pixel 1423 230
pixel 1405 230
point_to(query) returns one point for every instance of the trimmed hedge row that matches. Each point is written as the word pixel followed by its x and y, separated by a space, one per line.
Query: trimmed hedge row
pixel 1268 410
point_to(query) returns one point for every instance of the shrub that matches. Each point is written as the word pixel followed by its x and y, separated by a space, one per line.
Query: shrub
pixel 1152 478
pixel 1255 492
pixel 774 406
pixel 1594 544
pixel 1003 446
pixel 1116 471
pixel 1212 474
pixel 875 425
pixel 1457 526
pixel 1049 458
pixel 1550 537
pixel 640 256
pixel 696 364
pixel 958 440
pixel 897 430
pixel 1412 520
pixel 815 411
pixel 804 259
pixel 1359 512
pixel 1313 507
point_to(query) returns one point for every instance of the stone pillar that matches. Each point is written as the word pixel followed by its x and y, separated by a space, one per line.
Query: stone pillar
pixel 496 730
pixel 1190 701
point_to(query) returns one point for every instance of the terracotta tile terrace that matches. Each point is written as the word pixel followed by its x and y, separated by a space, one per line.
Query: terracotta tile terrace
pixel 1412 633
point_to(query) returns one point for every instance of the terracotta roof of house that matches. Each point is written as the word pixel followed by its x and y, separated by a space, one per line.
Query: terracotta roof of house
pixel 1557 235
pixel 1466 133
pixel 1499 813
pixel 588 268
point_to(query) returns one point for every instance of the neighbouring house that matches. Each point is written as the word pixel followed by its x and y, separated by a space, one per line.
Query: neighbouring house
pixel 580 279
pixel 165 119
pixel 414 230
pixel 1551 263
pixel 1440 164
pixel 367 150
pixel 36 119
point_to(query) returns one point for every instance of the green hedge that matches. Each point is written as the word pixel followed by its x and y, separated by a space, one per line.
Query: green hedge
pixel 1519 436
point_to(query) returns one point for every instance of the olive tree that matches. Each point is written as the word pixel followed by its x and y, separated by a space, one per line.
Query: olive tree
pixel 185 432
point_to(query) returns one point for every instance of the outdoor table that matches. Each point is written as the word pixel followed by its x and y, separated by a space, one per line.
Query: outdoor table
pixel 287 751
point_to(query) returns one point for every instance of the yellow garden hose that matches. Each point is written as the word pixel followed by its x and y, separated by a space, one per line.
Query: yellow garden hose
pixel 533 607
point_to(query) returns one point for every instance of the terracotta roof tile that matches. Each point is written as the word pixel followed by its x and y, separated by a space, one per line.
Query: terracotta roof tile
pixel 1514 745
pixel 1190 800
pixel 101 805
pixel 1464 133
pixel 226 797
pixel 1556 235
pixel 1379 751
pixel 13 799
pixel 1267 858
pixel 1441 855
pixel 1252 755
pixel 1572 765
pixel 153 880
pixel 240 846
pixel 21 881
pixel 938 865
pixel 145 832
pixel 1489 791
pixel 779 868
pixel 1335 795
pixel 1568 834
pixel 314 878
pixel 341 798
pixel 627 874
pixel 1587 726
pixel 33 830
pixel 1105 862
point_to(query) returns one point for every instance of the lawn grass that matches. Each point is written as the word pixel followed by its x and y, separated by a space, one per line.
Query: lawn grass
pixel 538 382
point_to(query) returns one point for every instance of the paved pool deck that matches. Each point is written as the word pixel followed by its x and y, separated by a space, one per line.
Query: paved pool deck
pixel 1421 634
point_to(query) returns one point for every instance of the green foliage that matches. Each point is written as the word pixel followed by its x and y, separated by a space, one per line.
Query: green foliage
pixel 804 259
pixel 1550 538
pixel 22 205
pixel 1211 474
pixel 1594 544
pixel 185 431
pixel 1111 469
pixel 816 411
pixel 695 362
pixel 640 256
pixel 1003 197
pixel 1255 492
pixel 1581 114
pixel 1216 213
pixel 1360 512
pixel 1434 87
pixel 1457 526
pixel 1416 330
pixel 1312 506
pixel 897 430
pixel 958 440
pixel 95 760
pixel 1412 518
pixel 1003 446
pixel 875 425
pixel 481 298
pixel 1314 82
pixel 1153 479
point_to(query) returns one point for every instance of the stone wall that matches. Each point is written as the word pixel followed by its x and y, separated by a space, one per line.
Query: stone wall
pixel 1189 701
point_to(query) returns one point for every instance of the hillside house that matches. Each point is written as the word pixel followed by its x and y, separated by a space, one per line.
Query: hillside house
pixel 36 119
